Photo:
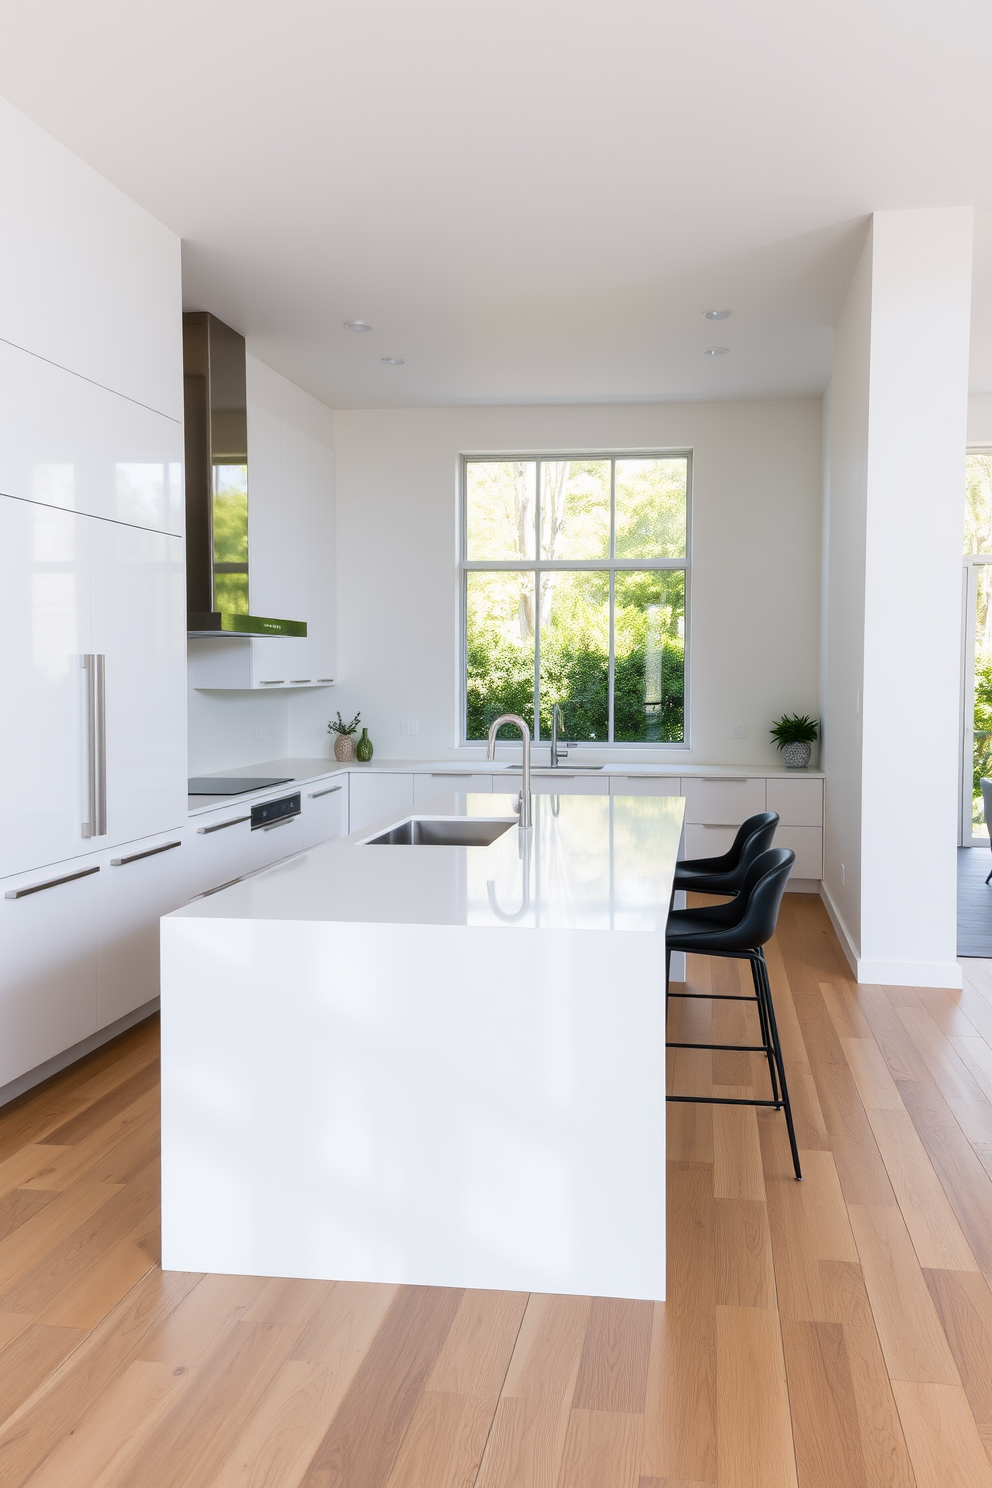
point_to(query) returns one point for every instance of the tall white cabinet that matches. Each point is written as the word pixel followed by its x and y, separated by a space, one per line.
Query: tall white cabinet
pixel 92 603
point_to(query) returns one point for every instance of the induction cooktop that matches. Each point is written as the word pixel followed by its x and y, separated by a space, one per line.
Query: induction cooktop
pixel 225 785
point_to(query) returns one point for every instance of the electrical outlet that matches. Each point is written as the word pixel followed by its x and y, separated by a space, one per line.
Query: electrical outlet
pixel 409 726
pixel 738 731
pixel 260 731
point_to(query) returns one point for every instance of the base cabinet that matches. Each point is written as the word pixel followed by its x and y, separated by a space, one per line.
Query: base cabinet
pixel 137 885
pixel 48 962
pixel 280 839
pixel 376 796
pixel 219 849
pixel 325 811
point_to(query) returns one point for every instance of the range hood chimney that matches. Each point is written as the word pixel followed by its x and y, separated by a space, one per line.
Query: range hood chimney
pixel 216 432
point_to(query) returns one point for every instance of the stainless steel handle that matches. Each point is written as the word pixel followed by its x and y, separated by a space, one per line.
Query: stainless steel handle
pixel 716 826
pixel 268 826
pixel 219 826
pixel 455 774
pixel 299 681
pixel 325 679
pixel 101 745
pixel 314 795
pixel 50 883
pixel 726 779
pixel 150 852
pixel 88 664
pixel 271 681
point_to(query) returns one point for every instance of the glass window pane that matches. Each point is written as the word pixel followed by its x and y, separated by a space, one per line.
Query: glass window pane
pixel 500 510
pixel 651 505
pixel 978 504
pixel 575 509
pixel 575 653
pixel 982 722
pixel 499 610
pixel 649 685
pixel 230 518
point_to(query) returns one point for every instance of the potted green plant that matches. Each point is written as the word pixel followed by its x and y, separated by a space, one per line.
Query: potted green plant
pixel 344 744
pixel 795 734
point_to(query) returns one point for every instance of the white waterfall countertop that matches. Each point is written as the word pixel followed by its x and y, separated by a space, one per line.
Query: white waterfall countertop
pixel 437 1065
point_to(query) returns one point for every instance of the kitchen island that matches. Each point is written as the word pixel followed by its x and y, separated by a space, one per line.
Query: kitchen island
pixel 405 1061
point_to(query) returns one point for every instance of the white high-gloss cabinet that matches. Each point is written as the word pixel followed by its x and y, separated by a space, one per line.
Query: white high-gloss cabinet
pixel 444 781
pixel 724 801
pixel 325 810
pixel 280 839
pixel 137 884
pixel 74 587
pixel 66 442
pixel 48 969
pixel 375 796
pixel 645 785
pixel 219 849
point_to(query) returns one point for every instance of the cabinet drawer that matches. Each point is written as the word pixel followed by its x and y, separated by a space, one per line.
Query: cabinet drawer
pixel 807 844
pixel 799 803
pixel 374 796
pixel 49 961
pixel 278 840
pixel 219 850
pixel 722 802
pixel 566 785
pixel 644 785
pixel 325 810
pixel 441 783
pixel 137 885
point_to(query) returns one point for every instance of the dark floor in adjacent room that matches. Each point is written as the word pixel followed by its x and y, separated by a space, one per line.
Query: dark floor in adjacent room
pixel 974 902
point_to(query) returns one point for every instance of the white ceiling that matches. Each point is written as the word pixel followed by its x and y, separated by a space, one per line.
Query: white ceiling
pixel 530 200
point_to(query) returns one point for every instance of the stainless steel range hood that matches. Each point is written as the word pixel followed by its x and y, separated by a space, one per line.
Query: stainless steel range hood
pixel 216 425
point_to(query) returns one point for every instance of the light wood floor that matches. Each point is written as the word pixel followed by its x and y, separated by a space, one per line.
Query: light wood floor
pixel 836 1334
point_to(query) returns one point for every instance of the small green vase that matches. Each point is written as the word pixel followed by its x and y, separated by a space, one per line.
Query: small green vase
pixel 363 749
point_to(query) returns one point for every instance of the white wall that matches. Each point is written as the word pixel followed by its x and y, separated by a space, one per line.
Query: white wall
pixel 980 419
pixel 755 577
pixel 898 427
pixel 224 726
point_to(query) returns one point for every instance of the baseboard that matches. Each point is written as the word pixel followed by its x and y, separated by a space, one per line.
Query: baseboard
pixel 843 935
pixel 910 973
pixel 85 1046
pixel 803 886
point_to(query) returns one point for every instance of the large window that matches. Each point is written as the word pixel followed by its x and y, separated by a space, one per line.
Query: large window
pixel 575 573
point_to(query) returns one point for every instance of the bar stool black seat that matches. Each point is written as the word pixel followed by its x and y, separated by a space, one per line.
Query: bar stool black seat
pixel 739 930
pixel 725 874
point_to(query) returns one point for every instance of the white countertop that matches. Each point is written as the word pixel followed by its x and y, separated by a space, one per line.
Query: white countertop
pixel 301 770
pixel 591 862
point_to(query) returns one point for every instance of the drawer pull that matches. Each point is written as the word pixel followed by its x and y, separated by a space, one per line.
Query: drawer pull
pixel 453 774
pixel 50 883
pixel 299 681
pixel 219 827
pixel 272 681
pixel 726 779
pixel 315 795
pixel 150 852
pixel 716 826
pixel 325 679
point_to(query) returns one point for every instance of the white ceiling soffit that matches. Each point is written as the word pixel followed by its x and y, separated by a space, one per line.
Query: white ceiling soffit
pixel 529 200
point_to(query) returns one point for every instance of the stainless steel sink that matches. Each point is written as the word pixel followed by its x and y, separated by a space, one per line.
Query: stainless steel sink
pixel 444 831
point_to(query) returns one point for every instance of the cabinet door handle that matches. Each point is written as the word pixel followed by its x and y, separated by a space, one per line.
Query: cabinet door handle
pixel 219 826
pixel 150 852
pixel 325 679
pixel 315 795
pixel 299 681
pixel 94 666
pixel 726 779
pixel 50 883
pixel 454 774
pixel 271 681
pixel 716 826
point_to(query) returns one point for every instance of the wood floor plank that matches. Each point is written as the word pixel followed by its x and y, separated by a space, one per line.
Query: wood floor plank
pixel 22 1166
pixel 745 1273
pixel 27 1248
pixel 944 1443
pixel 362 1443
pixel 909 1329
pixel 476 1354
pixel 737 1166
pixel 445 1441
pixel 883 1445
pixel 871 1075
pixel 823 1406
pixel 117 1099
pixel 30 1358
pixel 613 1367
pixel 962 1176
pixel 601 1447
pixel 845 1011
pixel 933 1226
pixel 279 1441
pixel 754 1425
pixel 964 1305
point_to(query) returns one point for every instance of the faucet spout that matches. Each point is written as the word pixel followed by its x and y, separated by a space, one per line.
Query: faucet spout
pixel 518 722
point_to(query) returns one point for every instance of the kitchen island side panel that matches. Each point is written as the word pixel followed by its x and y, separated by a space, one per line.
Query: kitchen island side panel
pixel 434 1105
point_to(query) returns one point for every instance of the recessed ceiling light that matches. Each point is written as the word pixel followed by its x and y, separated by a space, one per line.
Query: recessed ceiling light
pixel 394 361
pixel 716 350
pixel 716 314
pixel 357 325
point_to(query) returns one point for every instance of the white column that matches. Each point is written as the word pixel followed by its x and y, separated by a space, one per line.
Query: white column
pixel 896 435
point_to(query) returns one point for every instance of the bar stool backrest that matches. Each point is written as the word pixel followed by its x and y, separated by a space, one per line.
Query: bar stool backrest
pixel 748 921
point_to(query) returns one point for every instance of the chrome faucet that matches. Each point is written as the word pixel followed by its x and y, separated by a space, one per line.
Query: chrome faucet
pixel 518 722
pixel 559 750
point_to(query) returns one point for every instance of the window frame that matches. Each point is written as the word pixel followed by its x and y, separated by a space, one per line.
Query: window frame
pixel 611 566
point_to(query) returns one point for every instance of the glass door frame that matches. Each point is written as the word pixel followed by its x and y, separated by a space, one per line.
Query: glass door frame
pixel 969 604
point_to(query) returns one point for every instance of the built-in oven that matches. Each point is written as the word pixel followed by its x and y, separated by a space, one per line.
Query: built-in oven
pixel 266 813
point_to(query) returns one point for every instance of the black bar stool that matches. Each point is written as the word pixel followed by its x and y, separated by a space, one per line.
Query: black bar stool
pixel 725 874
pixel 738 930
